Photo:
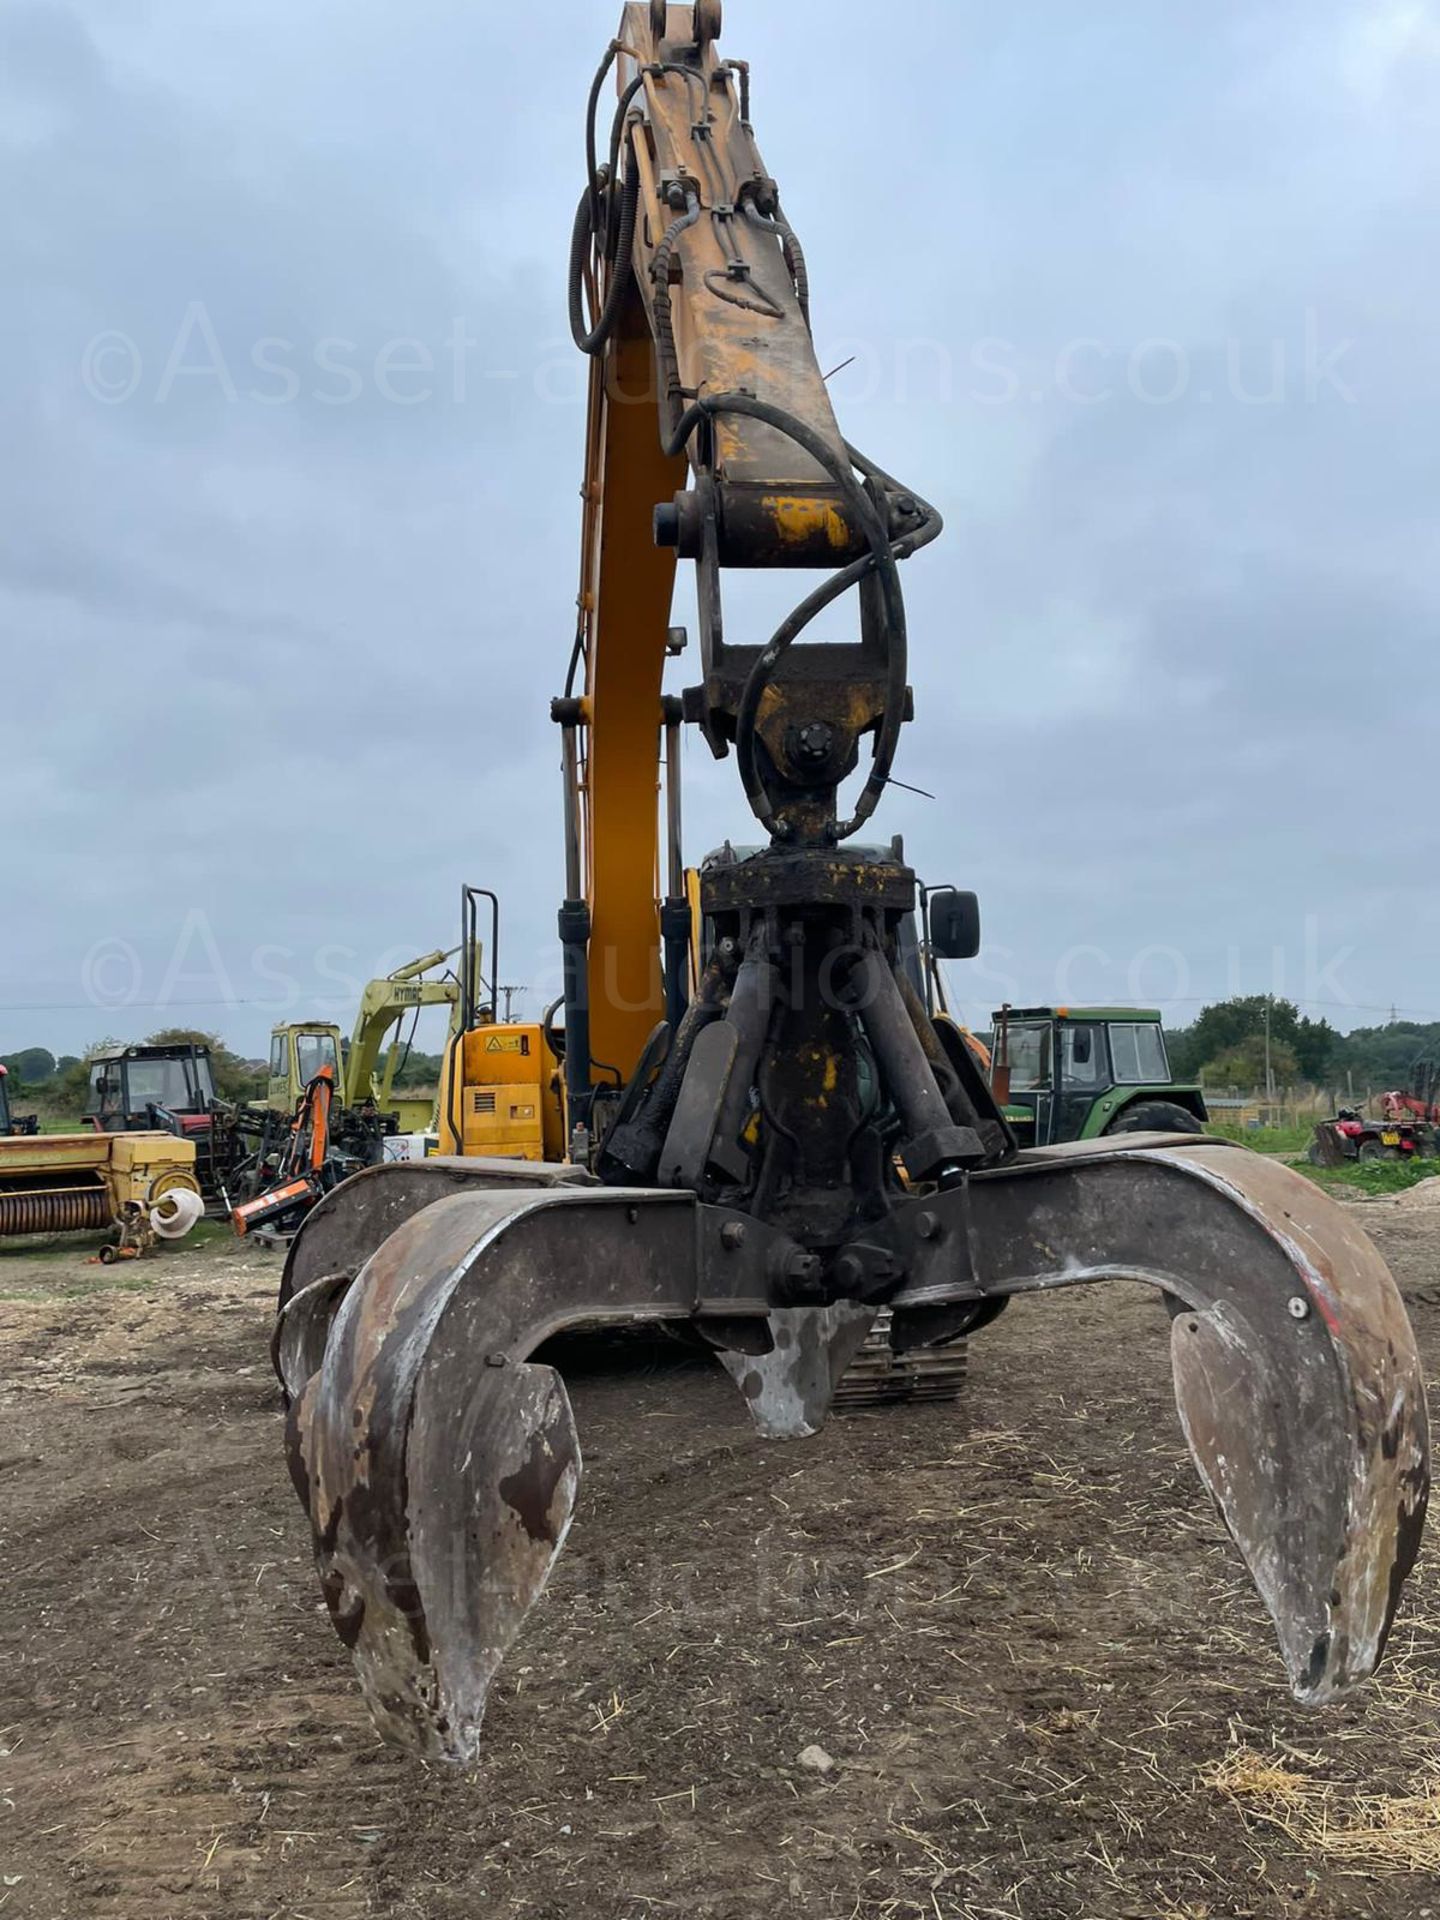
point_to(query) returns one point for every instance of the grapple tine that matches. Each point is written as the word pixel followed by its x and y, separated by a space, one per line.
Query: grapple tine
pixel 1322 1476
pixel 1300 1390
pixel 439 1469
pixel 791 1388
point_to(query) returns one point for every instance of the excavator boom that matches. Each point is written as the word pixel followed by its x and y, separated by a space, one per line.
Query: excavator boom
pixel 774 1136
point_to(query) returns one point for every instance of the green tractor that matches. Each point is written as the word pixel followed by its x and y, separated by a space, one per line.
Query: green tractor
pixel 1075 1073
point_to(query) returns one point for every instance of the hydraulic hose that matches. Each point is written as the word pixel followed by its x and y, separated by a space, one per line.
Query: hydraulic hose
pixel 883 559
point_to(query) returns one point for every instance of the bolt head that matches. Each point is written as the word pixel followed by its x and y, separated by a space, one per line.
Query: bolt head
pixel 1299 1308
pixel 816 742
pixel 732 1236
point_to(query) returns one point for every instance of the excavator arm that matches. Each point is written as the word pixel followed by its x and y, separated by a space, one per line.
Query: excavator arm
pixel 711 436
pixel 772 1140
pixel 384 1005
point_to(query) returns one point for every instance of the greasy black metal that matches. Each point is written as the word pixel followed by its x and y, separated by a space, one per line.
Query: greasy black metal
pixel 778 880
pixel 933 1144
pixel 748 535
pixel 685 1158
pixel 749 1017
pixel 675 934
pixel 967 1092
pixel 630 1155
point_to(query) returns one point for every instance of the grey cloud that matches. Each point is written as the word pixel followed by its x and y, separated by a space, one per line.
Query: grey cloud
pixel 1160 649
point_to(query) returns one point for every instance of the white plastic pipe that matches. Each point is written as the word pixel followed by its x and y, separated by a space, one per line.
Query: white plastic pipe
pixel 175 1213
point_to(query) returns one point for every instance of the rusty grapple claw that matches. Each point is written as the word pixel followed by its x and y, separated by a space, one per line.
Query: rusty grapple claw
pixel 439 1463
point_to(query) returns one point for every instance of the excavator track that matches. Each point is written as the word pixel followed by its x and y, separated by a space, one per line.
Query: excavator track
pixel 878 1377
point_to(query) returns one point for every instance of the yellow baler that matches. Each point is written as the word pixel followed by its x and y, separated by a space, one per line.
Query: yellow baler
pixel 86 1182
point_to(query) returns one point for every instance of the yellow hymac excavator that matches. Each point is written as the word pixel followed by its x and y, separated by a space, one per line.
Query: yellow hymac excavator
pixel 364 1073
pixel 764 1135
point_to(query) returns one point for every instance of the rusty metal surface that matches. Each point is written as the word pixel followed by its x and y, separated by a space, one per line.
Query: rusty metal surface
pixel 1296 1374
pixel 439 1469
pixel 302 1331
pixel 348 1225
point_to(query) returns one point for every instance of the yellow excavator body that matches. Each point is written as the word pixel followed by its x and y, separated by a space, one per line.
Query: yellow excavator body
pixel 500 1097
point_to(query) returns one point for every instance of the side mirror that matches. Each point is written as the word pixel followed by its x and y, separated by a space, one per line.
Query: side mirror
pixel 954 924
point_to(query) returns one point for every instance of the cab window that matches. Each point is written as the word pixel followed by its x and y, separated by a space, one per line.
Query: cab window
pixel 1139 1055
pixel 314 1051
pixel 277 1056
pixel 1030 1058
pixel 105 1093
pixel 1082 1052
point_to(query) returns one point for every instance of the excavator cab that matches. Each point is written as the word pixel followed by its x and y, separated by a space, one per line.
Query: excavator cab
pixel 774 1140
pixel 297 1053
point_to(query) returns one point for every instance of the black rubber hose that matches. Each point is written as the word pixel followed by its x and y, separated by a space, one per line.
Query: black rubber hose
pixel 664 311
pixel 882 558
pixel 592 167
pixel 581 238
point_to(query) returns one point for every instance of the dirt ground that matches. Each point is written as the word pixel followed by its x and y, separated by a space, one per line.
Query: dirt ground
pixel 1016 1628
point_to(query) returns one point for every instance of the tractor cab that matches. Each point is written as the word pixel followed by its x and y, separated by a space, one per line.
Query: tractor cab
pixel 137 1089
pixel 1077 1073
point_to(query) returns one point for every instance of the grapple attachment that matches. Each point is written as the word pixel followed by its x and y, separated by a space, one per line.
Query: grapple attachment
pixel 440 1465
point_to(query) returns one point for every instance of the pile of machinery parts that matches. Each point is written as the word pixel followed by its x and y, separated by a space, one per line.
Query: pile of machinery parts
pixel 140 1186
pixel 756 1129
pixel 307 1167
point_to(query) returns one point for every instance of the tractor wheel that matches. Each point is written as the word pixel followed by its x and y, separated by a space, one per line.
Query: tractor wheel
pixel 1370 1150
pixel 1155 1116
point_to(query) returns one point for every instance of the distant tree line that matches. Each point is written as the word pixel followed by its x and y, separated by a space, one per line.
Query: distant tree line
pixel 1225 1047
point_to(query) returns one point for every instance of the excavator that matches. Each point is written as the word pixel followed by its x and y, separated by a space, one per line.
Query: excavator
pixel 762 1134
pixel 365 1072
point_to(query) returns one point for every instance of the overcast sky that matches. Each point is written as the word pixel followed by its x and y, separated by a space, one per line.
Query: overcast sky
pixel 1144 296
